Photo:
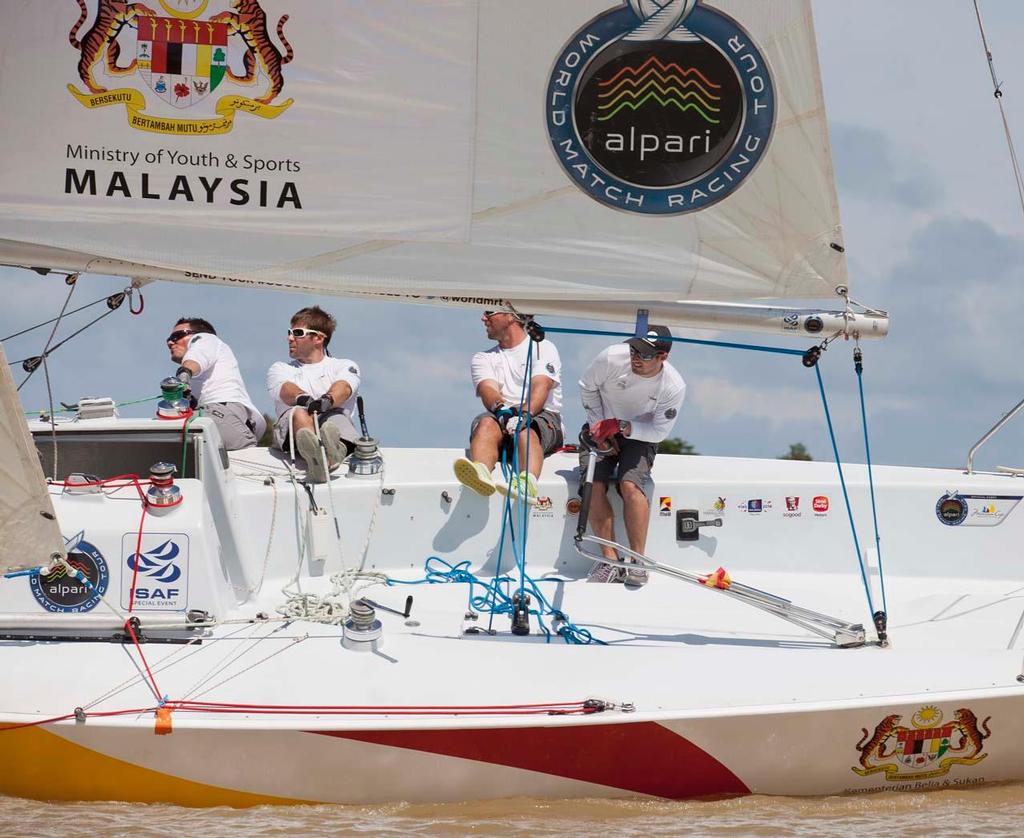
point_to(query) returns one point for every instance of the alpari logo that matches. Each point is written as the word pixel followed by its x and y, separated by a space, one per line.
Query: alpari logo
pixel 158 563
pixel 182 57
pixel 660 106
pixel 60 591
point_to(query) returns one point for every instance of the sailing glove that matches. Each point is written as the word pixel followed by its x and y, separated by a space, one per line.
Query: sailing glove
pixel 606 429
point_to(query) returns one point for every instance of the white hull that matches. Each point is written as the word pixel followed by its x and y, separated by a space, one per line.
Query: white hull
pixel 703 695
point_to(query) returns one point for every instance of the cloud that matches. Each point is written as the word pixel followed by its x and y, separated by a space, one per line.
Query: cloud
pixel 868 166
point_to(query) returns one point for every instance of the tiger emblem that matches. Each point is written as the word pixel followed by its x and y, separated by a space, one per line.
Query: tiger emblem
pixel 111 17
pixel 971 730
pixel 249 21
pixel 875 745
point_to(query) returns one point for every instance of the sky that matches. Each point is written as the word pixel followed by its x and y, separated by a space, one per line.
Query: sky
pixel 934 234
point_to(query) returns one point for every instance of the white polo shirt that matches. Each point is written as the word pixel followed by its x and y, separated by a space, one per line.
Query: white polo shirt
pixel 315 379
pixel 218 379
pixel 611 390
pixel 507 368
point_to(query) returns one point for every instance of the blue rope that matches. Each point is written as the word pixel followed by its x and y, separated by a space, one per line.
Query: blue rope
pixel 842 482
pixel 495 600
pixel 776 350
pixel 871 484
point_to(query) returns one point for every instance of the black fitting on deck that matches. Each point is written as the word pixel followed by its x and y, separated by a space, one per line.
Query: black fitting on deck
pixel 881 621
pixel 520 614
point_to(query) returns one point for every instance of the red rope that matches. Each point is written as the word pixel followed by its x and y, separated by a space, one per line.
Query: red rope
pixel 131 631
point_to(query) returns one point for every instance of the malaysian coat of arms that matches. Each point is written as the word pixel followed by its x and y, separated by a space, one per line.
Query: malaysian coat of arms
pixel 183 51
pixel 925 750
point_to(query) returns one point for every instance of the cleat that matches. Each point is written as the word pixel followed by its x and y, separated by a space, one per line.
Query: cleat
pixel 309 449
pixel 475 476
pixel 515 489
pixel 331 438
pixel 636 577
pixel 602 572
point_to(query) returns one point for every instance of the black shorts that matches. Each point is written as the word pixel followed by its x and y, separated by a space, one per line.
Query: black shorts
pixel 633 462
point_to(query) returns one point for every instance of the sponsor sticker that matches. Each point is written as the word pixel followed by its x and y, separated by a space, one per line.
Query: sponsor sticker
pixel 61 592
pixel 159 569
pixel 820 505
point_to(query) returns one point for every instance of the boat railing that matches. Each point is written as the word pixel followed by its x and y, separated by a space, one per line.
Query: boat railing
pixel 998 426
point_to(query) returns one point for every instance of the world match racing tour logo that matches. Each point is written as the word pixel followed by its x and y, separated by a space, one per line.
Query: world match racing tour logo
pixel 649 115
pixel 183 58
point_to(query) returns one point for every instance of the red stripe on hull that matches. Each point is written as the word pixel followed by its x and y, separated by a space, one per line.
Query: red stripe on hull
pixel 643 757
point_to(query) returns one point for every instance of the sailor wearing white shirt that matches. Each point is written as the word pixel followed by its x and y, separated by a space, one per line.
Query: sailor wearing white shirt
pixel 313 382
pixel 498 376
pixel 632 396
pixel 208 368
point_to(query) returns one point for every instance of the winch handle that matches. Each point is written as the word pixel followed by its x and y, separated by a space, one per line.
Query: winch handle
pixel 362 417
pixel 588 487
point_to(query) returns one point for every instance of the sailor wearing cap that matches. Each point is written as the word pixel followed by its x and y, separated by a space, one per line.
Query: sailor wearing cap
pixel 311 383
pixel 632 396
pixel 209 371
pixel 498 376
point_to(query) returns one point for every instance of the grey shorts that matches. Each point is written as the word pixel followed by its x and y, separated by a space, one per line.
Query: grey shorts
pixel 632 463
pixel 346 427
pixel 239 426
pixel 547 425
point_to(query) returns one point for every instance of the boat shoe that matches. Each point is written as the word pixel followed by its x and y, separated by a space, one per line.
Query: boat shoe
pixel 475 476
pixel 514 487
pixel 309 449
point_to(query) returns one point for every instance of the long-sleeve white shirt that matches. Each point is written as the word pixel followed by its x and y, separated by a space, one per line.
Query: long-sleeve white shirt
pixel 611 390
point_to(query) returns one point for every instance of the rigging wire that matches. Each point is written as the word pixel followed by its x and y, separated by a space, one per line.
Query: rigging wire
pixel 72 281
pixel 997 92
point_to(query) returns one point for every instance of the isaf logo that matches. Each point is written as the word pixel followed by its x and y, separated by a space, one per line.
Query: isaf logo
pixel 182 53
pixel 159 571
pixel 660 106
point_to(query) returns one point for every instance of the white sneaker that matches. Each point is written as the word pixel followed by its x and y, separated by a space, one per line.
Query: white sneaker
pixel 516 487
pixel 475 476
pixel 309 449
pixel 602 572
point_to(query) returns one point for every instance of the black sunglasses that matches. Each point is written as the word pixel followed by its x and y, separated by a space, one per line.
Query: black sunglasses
pixel 644 356
pixel 174 337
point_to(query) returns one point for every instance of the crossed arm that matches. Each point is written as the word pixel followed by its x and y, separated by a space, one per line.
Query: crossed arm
pixel 340 392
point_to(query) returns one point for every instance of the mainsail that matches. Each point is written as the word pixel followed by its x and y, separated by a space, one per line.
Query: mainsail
pixel 590 150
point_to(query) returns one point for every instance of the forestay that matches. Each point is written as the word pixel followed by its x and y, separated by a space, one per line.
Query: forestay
pixel 589 150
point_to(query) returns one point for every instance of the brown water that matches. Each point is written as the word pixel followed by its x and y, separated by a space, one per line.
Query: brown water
pixel 994 810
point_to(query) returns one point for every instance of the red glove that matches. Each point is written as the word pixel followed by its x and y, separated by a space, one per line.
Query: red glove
pixel 605 429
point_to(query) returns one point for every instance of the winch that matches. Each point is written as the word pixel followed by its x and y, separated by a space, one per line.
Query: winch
pixel 173 404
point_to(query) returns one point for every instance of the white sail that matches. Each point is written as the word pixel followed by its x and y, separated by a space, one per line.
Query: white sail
pixel 414 148
pixel 29 527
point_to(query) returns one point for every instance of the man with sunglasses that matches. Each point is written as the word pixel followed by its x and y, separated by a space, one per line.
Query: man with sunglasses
pixel 208 368
pixel 312 384
pixel 631 396
pixel 498 377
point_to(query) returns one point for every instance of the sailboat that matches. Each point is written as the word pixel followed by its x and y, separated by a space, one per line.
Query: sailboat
pixel 189 625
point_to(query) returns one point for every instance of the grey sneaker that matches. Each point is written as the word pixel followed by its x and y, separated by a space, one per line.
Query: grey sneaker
pixel 636 577
pixel 309 448
pixel 335 445
pixel 602 572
